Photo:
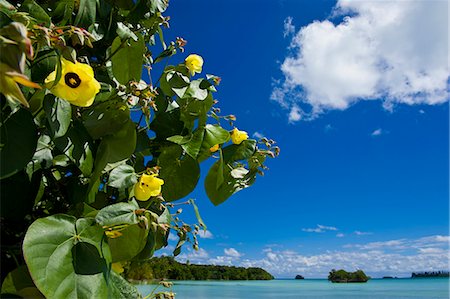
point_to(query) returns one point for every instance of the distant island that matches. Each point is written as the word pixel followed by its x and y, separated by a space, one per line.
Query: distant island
pixel 430 274
pixel 169 268
pixel 342 276
pixel 299 277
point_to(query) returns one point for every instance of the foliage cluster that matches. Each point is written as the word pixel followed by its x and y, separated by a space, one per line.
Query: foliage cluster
pixel 168 268
pixel 344 276
pixel 430 274
pixel 93 157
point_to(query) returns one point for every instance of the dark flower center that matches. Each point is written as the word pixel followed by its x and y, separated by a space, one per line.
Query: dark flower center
pixel 72 80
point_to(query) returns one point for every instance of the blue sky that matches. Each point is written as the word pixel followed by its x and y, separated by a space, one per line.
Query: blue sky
pixel 360 112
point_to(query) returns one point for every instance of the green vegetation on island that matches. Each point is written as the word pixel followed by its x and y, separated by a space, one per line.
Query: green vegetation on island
pixel 430 274
pixel 344 276
pixel 169 268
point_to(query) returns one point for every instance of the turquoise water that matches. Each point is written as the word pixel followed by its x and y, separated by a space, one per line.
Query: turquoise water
pixel 424 288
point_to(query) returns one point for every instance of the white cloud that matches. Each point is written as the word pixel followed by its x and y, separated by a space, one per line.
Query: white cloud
pixel 258 135
pixel 360 233
pixel 319 229
pixel 295 114
pixel 205 234
pixel 289 28
pixel 376 259
pixel 391 50
pixel 340 235
pixel 377 132
pixel 232 252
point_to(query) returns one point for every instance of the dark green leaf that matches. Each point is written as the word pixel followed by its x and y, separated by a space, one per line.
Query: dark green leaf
pixel 19 282
pixel 86 13
pixel 167 124
pixel 105 118
pixel 63 11
pixel 180 173
pixel 239 152
pixel 36 11
pixel 59 115
pixel 18 141
pixel 75 145
pixel 233 181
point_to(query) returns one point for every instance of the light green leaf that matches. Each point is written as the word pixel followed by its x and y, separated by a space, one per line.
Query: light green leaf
pixel 124 32
pixel 36 11
pixel 197 214
pixel 118 214
pixel 67 257
pixel 127 61
pixel 122 177
pixel 122 289
pixel 129 244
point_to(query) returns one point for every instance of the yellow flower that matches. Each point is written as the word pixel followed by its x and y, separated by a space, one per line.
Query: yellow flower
pixel 148 185
pixel 214 148
pixel 238 136
pixel 77 84
pixel 117 267
pixel 194 63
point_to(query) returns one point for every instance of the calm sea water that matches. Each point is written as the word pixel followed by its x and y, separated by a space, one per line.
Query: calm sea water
pixel 424 288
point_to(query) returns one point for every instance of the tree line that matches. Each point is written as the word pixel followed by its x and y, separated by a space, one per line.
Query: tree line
pixel 168 268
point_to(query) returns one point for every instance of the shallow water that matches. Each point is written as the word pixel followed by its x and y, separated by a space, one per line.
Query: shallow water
pixel 423 288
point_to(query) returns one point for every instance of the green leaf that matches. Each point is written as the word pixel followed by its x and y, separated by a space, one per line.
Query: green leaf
pixel 158 5
pixel 36 11
pixel 239 152
pixel 19 282
pixel 122 177
pixel 44 63
pixel 197 214
pixel 57 263
pixel 18 141
pixel 59 115
pixel 118 214
pixel 86 13
pixel 127 61
pixel 129 244
pixel 75 145
pixel 43 157
pixel 63 11
pixel 114 148
pixel 233 181
pixel 167 124
pixel 180 173
pixel 122 289
pixel 214 134
pixel 124 32
pixel 105 118
pixel 195 91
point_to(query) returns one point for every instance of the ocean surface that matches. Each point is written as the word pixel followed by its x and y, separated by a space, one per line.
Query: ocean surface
pixel 405 288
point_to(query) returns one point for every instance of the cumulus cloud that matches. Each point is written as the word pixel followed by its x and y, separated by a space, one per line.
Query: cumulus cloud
pixel 205 234
pixel 319 229
pixel 232 252
pixel 376 259
pixel 395 51
pixel 340 235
